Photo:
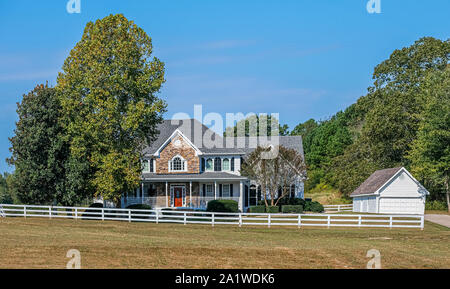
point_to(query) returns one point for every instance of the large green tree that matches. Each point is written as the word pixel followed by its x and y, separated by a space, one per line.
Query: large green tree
pixel 396 101
pixel 430 153
pixel 108 92
pixel 250 127
pixel 38 150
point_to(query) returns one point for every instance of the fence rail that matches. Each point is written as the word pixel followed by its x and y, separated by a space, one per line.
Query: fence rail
pixel 338 208
pixel 210 218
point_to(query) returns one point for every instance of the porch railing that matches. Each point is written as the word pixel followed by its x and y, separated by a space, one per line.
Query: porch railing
pixel 197 202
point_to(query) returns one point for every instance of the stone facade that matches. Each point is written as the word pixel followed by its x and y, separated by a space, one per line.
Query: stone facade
pixel 178 146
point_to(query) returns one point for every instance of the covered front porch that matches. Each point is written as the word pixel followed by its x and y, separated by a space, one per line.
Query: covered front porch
pixel 185 194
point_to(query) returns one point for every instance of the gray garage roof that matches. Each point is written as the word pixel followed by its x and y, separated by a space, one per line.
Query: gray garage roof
pixel 239 145
pixel 375 181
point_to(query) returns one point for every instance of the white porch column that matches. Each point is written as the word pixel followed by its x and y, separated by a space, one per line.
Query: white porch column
pixel 142 192
pixel 241 197
pixel 248 197
pixel 215 190
pixel 167 196
pixel 190 192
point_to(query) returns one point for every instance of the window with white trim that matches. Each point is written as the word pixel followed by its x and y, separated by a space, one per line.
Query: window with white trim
pixel 209 189
pixel 226 165
pixel 226 190
pixel 145 166
pixel 177 164
pixel 209 165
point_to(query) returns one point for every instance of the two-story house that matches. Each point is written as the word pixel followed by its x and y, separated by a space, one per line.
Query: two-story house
pixel 181 170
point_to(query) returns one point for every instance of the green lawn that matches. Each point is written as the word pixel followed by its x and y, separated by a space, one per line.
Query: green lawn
pixel 43 243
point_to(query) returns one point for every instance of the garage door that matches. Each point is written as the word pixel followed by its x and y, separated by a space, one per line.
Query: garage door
pixel 401 206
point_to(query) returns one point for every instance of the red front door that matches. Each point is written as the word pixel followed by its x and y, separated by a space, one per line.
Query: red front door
pixel 178 196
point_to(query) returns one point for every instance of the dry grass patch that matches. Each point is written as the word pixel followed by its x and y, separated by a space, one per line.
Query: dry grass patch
pixel 43 243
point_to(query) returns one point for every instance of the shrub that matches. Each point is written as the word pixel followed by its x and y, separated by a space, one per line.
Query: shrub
pixel 436 205
pixel 93 213
pixel 292 209
pixel 223 206
pixel 285 201
pixel 273 209
pixel 140 207
pixel 316 207
pixel 257 209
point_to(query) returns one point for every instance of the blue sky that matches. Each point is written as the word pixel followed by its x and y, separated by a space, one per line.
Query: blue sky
pixel 301 59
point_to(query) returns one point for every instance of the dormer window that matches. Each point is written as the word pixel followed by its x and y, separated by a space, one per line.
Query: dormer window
pixel 217 164
pixel 177 164
pixel 226 165
pixel 209 165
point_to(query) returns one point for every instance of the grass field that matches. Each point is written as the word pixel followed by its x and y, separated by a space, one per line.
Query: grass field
pixel 43 243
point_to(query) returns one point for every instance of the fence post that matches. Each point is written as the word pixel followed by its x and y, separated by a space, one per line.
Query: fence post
pixel 50 211
pixel 359 221
pixel 212 220
pixel 328 221
pixel 129 216
pixel 339 208
pixel 157 216
pixel 103 214
pixel 184 218
pixel 390 222
pixel 25 211
pixel 299 221
pixel 268 220
pixel 240 220
pixel 76 213
pixel 422 222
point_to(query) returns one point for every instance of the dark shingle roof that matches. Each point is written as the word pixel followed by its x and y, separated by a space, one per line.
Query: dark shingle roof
pixel 240 145
pixel 375 181
pixel 249 144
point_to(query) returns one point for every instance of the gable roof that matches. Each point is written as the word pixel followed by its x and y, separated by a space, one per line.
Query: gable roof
pixel 240 145
pixel 375 181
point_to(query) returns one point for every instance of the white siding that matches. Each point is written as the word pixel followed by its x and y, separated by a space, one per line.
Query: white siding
pixel 372 204
pixel 401 186
pixel 357 205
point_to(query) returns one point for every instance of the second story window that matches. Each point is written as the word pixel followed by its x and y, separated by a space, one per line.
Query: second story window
pixel 146 166
pixel 226 164
pixel 217 164
pixel 209 165
pixel 177 164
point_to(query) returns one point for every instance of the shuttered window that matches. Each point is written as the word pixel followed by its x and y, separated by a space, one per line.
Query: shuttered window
pixel 217 164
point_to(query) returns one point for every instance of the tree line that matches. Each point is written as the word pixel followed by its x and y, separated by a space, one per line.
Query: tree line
pixel 403 120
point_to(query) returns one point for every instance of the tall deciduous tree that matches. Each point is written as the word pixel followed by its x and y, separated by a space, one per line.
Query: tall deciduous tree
pixel 250 126
pixel 108 92
pixel 430 153
pixel 274 174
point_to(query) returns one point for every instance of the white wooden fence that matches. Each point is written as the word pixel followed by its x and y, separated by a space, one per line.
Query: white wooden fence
pixel 338 208
pixel 201 217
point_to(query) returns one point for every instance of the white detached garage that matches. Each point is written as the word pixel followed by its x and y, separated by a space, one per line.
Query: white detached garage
pixel 390 191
